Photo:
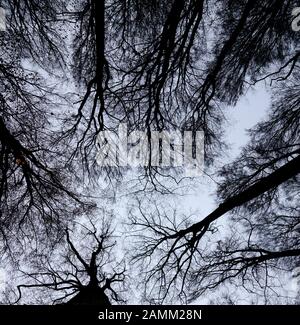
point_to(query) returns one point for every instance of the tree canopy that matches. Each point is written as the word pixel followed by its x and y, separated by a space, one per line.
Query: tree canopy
pixel 70 70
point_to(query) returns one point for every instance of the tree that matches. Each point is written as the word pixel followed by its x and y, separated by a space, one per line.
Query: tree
pixel 170 72
pixel 257 185
pixel 35 192
pixel 155 65
pixel 74 277
pixel 260 191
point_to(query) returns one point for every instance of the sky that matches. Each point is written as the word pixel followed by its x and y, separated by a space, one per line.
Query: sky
pixel 250 109
pixel 200 200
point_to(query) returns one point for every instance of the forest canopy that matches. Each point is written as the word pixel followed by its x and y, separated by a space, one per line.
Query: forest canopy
pixel 74 232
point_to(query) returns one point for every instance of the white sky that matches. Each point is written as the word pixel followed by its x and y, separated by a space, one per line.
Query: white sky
pixel 250 109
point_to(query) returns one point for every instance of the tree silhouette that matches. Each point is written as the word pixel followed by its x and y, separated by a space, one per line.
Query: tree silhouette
pixel 78 278
pixel 69 71
pixel 259 192
pixel 35 194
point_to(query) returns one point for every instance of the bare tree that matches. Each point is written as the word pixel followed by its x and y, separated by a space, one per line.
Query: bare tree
pixel 36 193
pixel 259 193
pixel 177 66
pixel 82 276
pixel 155 65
